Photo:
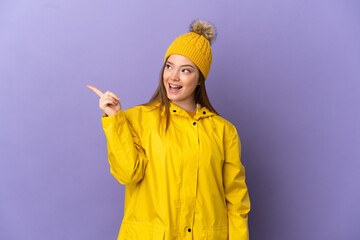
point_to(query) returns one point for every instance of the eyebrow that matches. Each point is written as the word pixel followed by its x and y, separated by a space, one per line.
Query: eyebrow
pixel 186 65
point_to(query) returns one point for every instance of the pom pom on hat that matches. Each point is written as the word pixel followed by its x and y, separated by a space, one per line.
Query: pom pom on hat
pixel 195 45
pixel 204 28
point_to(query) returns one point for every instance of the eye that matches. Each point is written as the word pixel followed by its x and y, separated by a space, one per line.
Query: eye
pixel 186 70
pixel 168 66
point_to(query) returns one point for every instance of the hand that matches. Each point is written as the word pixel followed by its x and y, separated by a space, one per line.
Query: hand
pixel 108 102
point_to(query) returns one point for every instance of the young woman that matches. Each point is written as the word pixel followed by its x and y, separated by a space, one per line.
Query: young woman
pixel 179 160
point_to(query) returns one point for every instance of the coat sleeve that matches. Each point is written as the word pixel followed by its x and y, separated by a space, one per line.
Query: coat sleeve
pixel 126 156
pixel 236 193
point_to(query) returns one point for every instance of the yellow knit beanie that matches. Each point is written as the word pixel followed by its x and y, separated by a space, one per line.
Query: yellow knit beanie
pixel 195 45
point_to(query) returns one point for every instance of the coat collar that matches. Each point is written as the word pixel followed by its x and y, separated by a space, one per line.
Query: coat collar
pixel 201 111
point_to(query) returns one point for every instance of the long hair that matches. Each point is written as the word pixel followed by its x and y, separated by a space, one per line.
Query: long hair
pixel 160 96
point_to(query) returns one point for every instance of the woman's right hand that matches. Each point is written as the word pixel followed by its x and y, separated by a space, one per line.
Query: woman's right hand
pixel 108 102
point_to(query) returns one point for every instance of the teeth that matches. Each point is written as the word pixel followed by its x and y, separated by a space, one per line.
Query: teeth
pixel 175 86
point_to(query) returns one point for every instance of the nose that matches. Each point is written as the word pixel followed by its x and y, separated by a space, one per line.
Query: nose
pixel 175 76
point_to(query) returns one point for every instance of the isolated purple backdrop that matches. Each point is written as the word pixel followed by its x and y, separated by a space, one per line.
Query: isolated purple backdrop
pixel 285 73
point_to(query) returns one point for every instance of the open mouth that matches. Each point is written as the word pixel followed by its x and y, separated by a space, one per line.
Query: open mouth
pixel 174 87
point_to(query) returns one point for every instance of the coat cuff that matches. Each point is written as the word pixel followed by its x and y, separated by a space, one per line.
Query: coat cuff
pixel 111 120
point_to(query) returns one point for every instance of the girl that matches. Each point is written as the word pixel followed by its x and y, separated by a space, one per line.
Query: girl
pixel 179 160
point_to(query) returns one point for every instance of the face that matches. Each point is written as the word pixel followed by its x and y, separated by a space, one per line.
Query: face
pixel 181 76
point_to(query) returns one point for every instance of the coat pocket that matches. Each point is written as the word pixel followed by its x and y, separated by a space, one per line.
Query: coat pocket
pixel 140 231
pixel 218 234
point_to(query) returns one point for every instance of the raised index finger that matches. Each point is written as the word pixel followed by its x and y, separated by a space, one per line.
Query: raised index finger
pixel 97 91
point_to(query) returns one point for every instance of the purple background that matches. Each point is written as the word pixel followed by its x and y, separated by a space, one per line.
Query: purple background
pixel 285 73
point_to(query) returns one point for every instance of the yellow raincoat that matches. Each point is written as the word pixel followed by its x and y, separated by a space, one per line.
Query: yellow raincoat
pixel 186 184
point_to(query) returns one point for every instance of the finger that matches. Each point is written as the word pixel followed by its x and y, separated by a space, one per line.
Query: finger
pixel 113 94
pixel 97 91
pixel 107 102
pixel 108 97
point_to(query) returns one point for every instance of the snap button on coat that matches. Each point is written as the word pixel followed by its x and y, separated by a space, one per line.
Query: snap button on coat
pixel 183 177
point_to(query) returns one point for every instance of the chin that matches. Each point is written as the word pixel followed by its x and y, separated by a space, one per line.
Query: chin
pixel 172 99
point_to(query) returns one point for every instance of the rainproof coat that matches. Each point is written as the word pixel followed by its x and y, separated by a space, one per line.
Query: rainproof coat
pixel 186 184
